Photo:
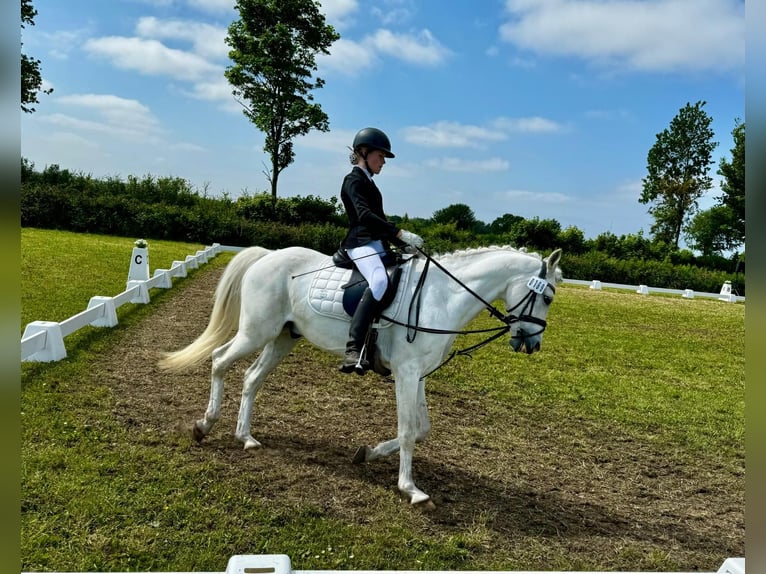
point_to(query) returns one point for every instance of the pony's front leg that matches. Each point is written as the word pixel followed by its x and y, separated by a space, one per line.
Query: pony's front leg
pixel 389 447
pixel 409 419
pixel 256 374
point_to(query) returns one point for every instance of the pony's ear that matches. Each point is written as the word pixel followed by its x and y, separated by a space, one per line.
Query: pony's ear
pixel 552 262
pixel 553 259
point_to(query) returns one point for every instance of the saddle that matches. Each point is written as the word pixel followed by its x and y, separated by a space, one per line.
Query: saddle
pixel 354 288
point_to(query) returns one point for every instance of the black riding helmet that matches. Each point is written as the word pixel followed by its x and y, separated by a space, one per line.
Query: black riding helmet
pixel 373 138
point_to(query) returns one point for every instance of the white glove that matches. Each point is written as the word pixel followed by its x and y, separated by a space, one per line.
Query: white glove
pixel 411 239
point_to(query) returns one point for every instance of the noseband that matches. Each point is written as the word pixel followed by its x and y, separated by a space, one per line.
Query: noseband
pixel 537 286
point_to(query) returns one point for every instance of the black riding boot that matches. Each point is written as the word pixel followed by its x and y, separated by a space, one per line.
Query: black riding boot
pixel 355 360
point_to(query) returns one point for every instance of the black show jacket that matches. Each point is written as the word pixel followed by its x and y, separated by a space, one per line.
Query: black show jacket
pixel 364 207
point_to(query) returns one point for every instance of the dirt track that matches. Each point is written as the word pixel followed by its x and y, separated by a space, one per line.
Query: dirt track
pixel 590 490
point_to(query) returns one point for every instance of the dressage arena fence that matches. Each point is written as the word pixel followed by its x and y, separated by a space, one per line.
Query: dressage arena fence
pixel 280 564
pixel 43 341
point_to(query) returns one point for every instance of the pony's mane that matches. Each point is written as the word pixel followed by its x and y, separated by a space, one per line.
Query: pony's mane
pixel 462 253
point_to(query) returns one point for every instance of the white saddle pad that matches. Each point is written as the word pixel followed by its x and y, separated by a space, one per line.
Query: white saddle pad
pixel 325 295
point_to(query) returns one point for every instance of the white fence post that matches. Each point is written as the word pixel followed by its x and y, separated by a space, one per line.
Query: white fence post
pixel 52 344
pixel 139 263
pixel 109 318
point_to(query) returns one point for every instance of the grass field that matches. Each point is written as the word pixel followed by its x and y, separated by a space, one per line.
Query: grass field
pixel 620 446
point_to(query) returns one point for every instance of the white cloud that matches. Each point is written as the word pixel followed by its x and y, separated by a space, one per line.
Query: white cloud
pixel 456 164
pixel 652 35
pixel 214 6
pixel 120 117
pixel 335 141
pixel 338 13
pixel 350 56
pixel 523 196
pixel 347 57
pixel 421 48
pixel 63 42
pixel 451 134
pixel 206 40
pixel 454 134
pixel 151 57
pixel 534 124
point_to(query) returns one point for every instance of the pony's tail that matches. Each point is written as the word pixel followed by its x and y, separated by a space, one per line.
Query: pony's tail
pixel 224 318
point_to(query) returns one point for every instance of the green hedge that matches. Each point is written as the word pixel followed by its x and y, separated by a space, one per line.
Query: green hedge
pixel 600 266
pixel 170 209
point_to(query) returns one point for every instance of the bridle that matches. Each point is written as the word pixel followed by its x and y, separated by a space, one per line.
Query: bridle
pixel 537 285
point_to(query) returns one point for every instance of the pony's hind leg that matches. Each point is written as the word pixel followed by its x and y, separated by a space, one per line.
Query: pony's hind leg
pixel 256 374
pixel 223 358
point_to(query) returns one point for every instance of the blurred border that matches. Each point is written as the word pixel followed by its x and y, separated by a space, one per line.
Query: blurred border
pixel 10 294
pixel 755 315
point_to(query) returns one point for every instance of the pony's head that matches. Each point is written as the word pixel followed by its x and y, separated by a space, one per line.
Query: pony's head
pixel 527 301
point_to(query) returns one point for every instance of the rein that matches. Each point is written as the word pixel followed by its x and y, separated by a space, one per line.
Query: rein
pixel 536 286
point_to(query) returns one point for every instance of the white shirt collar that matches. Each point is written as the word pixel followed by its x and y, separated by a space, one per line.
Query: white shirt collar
pixel 367 173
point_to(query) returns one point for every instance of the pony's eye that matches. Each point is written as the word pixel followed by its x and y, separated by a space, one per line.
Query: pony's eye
pixel 547 299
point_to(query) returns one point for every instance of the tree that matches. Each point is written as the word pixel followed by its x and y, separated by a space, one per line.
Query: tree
pixel 504 223
pixel 733 184
pixel 31 78
pixel 677 166
pixel 711 231
pixel 538 233
pixel 274 46
pixel 458 213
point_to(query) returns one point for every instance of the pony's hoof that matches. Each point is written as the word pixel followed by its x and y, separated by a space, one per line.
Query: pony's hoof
pixel 251 444
pixel 197 433
pixel 426 505
pixel 360 456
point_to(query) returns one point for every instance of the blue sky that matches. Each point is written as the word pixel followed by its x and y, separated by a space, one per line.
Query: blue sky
pixel 539 108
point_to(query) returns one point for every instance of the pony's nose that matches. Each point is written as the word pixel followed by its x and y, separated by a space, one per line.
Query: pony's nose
pixel 532 348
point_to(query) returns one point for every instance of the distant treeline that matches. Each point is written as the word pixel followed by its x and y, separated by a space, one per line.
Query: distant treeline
pixel 170 208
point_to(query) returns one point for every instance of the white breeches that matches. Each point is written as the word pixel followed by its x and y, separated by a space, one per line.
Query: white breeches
pixel 371 267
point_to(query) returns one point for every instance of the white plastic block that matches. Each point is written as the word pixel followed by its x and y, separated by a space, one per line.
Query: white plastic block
pixel 643 290
pixel 178 268
pixel 202 256
pixel 109 318
pixel 688 294
pixel 595 284
pixel 54 349
pixel 165 282
pixel 143 292
pixel 191 262
pixel 139 264
pixel 732 566
pixel 259 564
pixel 729 298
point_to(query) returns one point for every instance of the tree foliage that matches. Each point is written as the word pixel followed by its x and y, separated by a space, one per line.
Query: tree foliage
pixel 458 213
pixel 274 45
pixel 733 184
pixel 31 77
pixel 712 231
pixel 677 166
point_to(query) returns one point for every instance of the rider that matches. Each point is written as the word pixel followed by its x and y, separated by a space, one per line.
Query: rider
pixel 369 235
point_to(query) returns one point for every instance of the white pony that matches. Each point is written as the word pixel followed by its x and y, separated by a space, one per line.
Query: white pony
pixel 263 294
